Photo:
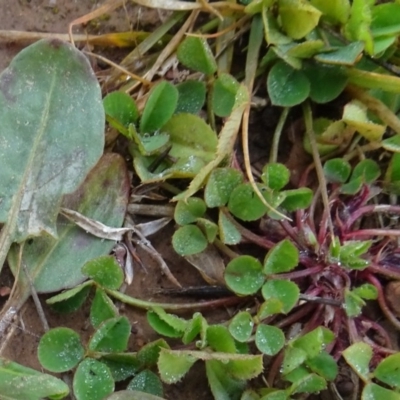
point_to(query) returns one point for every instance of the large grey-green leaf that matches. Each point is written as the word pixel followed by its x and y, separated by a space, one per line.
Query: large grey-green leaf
pixel 18 382
pixel 55 263
pixel 51 134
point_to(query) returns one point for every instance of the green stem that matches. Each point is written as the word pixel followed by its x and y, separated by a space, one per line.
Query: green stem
pixel 277 135
pixel 147 305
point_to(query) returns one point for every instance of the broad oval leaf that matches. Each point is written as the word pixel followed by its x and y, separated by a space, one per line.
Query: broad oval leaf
pixel 188 240
pixel 111 336
pixel 298 18
pixel 121 107
pixel 275 175
pixel 159 107
pixel 146 382
pixel 55 264
pixel 60 350
pixel 269 339
pixel 19 382
pixel 192 95
pixel 285 291
pixel 196 54
pixel 223 94
pixel 92 380
pixel 287 86
pixel 51 135
pixel 220 185
pixel 102 308
pixel 283 257
pixel 388 370
pixel 244 275
pixel 173 365
pixel 188 211
pixel 106 271
pixel 245 204
pixel 358 356
pixel 337 170
pixel 241 326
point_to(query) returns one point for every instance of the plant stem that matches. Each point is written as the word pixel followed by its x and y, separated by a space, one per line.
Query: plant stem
pixel 147 305
pixel 382 208
pixel 382 302
pixel 372 232
pixel 317 161
pixel 277 135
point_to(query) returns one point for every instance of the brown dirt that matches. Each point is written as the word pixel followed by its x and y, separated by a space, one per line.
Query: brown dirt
pixel 54 16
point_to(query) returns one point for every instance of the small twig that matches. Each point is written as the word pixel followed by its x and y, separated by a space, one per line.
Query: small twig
pixel 146 246
pixel 36 299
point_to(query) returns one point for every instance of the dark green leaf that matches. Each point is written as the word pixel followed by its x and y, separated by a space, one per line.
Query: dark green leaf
pixel 353 303
pixel 373 391
pixel 196 54
pixel 209 228
pixel 326 82
pixel 173 365
pixel 70 300
pixel 223 96
pixel 189 239
pixel 106 271
pixel 147 382
pixel 60 350
pixel 297 199
pixel 275 175
pixel 298 18
pixel 269 339
pixel 286 86
pixel 245 204
pixel 222 385
pixel 358 356
pixel 92 380
pixel 188 211
pixel 244 275
pixel 283 257
pixel 345 55
pixel 337 170
pixel 220 185
pixel 384 20
pixel 241 326
pixel 269 307
pixel 293 358
pixel 324 365
pixel 313 342
pixel 162 327
pixel 192 95
pixel 122 365
pixel 336 11
pixel 148 354
pixel 228 232
pixel 367 169
pixel 285 291
pixel 121 107
pixel 159 107
pixel 112 336
pixel 219 339
pixel 102 308
pixel 311 383
pixel 388 370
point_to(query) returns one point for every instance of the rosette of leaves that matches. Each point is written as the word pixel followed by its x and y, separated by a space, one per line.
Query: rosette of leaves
pixel 226 191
